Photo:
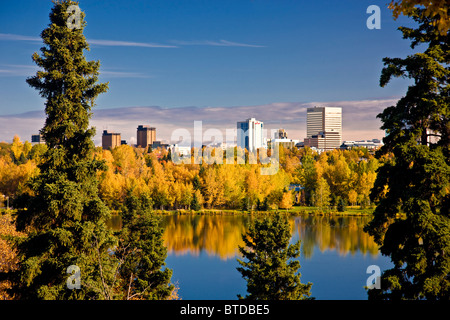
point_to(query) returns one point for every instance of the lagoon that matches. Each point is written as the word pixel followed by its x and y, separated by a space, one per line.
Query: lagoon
pixel 335 254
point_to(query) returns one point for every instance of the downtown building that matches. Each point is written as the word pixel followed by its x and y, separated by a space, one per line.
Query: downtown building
pixel 110 140
pixel 145 136
pixel 37 139
pixel 281 139
pixel 250 134
pixel 324 128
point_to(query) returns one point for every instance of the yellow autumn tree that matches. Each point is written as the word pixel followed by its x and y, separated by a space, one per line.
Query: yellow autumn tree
pixel 352 197
pixel 13 177
pixel 125 160
pixel 233 185
pixel 287 201
pixel 17 147
pixel 212 188
pixel 436 10
pixel 8 255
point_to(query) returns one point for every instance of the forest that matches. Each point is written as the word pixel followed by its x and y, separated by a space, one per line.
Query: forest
pixel 330 181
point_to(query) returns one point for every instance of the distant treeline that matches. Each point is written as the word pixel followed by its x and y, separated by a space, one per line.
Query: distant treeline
pixel 330 180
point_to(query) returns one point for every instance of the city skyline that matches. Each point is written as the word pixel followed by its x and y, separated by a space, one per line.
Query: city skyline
pixel 290 116
pixel 210 57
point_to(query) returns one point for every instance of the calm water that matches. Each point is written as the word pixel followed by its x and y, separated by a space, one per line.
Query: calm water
pixel 335 254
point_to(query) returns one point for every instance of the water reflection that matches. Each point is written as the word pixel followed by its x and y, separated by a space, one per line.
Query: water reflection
pixel 220 235
pixel 344 235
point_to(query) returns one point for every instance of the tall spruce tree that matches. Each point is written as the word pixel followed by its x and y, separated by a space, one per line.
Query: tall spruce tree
pixel 271 269
pixel 411 222
pixel 141 252
pixel 64 216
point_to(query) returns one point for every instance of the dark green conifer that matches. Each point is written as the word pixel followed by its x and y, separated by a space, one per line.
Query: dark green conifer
pixel 64 216
pixel 412 220
pixel 195 204
pixel 141 253
pixel 271 269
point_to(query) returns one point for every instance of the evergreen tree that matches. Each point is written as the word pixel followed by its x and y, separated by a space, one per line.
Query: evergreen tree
pixel 258 204
pixel 141 253
pixel 341 205
pixel 196 183
pixel 412 219
pixel 271 269
pixel 195 204
pixel 265 204
pixel 245 204
pixel 64 216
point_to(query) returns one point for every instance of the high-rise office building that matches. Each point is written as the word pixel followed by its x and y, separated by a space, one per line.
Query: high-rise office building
pixel 250 134
pixel 324 127
pixel 145 136
pixel 110 140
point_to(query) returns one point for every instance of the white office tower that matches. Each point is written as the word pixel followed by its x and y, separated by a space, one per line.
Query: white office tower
pixel 324 125
pixel 250 134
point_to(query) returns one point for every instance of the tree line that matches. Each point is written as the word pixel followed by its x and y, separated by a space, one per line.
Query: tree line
pixel 330 180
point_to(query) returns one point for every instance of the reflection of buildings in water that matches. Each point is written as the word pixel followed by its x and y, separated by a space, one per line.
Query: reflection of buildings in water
pixel 220 235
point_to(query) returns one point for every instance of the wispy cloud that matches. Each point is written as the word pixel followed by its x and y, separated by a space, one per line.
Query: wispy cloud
pixel 18 37
pixel 119 43
pixel 19 70
pixel 220 43
pixel 115 43
pixel 99 42
pixel 122 74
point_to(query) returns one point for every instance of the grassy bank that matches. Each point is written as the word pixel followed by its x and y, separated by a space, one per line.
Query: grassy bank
pixel 296 210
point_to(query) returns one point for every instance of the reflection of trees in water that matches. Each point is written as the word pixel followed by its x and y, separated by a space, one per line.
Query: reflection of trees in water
pixel 217 235
pixel 222 234
pixel 343 234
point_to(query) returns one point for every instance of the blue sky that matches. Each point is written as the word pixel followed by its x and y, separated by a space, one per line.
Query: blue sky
pixel 210 53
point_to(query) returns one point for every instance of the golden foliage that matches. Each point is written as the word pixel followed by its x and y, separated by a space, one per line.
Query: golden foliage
pixel 286 201
pixel 437 10
pixel 220 235
pixel 13 177
pixel 217 235
pixel 8 257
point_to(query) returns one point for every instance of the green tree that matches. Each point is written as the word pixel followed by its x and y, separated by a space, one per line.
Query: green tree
pixel 341 205
pixel 195 204
pixel 37 151
pixel 63 215
pixel 196 183
pixel 271 269
pixel 265 205
pixel 308 176
pixel 412 219
pixel 141 253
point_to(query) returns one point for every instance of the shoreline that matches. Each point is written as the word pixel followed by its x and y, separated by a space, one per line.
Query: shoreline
pixel 293 211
